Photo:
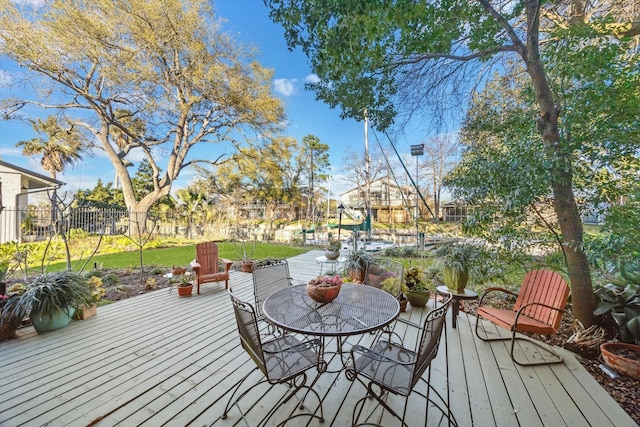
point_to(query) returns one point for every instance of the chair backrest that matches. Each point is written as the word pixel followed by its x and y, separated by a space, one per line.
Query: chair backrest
pixel 544 287
pixel 379 269
pixel 207 257
pixel 248 328
pixel 269 276
pixel 430 340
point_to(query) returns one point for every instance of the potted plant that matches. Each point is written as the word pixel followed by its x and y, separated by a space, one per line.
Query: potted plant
pixel 245 250
pixel 333 249
pixel 324 289
pixel 455 261
pixel 416 286
pixel 84 312
pixel 356 265
pixel 4 267
pixel 184 286
pixel 51 299
pixel 9 323
pixel 622 303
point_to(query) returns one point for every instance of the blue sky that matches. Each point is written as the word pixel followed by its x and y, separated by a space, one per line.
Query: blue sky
pixel 248 22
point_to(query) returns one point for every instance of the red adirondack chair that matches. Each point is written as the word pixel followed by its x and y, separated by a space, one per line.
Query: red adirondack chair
pixel 206 265
pixel 538 309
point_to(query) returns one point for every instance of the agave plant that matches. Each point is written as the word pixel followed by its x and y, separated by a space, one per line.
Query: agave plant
pixel 50 293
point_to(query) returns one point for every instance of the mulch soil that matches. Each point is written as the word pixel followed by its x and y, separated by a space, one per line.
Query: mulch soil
pixel 623 389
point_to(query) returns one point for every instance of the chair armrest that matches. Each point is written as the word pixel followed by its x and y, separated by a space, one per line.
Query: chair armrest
pixel 515 321
pixel 308 344
pixel 227 264
pixel 195 266
pixel 408 323
pixel 495 289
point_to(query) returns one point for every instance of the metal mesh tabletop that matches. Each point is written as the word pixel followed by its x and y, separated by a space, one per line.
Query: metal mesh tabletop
pixel 356 310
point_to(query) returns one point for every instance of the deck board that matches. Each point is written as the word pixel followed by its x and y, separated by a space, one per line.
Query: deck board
pixel 157 359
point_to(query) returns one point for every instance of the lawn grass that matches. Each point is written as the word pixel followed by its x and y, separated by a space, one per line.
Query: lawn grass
pixel 178 255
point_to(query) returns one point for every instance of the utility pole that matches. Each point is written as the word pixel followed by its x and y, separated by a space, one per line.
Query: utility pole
pixel 416 151
pixel 367 175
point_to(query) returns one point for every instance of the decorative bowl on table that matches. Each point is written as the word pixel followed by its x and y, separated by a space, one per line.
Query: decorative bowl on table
pixel 324 289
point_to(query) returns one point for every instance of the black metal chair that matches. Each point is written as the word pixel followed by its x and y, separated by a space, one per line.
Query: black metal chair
pixel 389 367
pixel 282 360
pixel 269 275
pixel 379 269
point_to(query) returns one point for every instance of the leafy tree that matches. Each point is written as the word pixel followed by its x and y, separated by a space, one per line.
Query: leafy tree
pixel 100 196
pixel 60 147
pixel 270 171
pixel 392 57
pixel 439 153
pixel 315 161
pixel 155 77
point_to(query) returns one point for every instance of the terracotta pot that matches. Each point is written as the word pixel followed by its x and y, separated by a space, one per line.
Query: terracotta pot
pixel 357 275
pixel 83 313
pixel 375 280
pixel 323 294
pixel 185 291
pixel 177 271
pixel 8 328
pixel 247 266
pixel 620 363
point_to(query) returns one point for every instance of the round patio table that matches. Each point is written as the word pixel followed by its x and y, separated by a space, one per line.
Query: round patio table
pixel 357 309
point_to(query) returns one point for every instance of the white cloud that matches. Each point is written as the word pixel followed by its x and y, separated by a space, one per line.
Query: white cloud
pixel 285 87
pixel 312 78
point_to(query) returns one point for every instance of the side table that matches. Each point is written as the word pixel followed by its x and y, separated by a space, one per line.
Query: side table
pixel 334 264
pixel 468 294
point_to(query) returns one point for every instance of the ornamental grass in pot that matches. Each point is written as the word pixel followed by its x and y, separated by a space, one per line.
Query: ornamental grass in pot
pixel 456 262
pixel 356 265
pixel 51 299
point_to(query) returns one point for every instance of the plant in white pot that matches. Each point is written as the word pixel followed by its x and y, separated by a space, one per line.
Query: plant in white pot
pixel 51 299
pixel 333 249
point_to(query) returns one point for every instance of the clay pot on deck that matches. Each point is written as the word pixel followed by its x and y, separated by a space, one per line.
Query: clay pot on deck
pixel 624 358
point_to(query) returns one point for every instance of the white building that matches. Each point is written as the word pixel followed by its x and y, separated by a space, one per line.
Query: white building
pixel 16 185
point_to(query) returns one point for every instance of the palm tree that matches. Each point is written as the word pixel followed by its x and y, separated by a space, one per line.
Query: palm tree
pixel 60 148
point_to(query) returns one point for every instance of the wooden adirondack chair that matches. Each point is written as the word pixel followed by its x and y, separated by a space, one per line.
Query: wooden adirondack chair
pixel 206 265
pixel 538 309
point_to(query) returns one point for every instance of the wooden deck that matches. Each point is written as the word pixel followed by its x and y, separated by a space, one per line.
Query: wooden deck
pixel 157 359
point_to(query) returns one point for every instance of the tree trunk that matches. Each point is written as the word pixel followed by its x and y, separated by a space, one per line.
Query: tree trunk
pixel 561 174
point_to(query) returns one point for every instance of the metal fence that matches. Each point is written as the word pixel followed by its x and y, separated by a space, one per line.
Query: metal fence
pixel 27 225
